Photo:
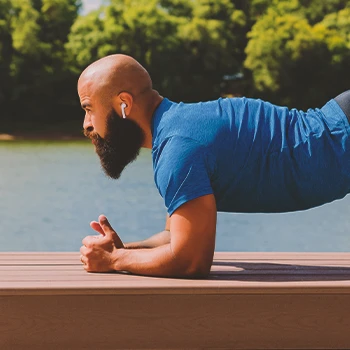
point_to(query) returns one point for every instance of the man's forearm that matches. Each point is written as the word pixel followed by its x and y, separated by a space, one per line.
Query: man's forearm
pixel 156 240
pixel 159 261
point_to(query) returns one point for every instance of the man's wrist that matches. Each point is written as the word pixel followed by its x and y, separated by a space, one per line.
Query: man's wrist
pixel 117 259
pixel 134 245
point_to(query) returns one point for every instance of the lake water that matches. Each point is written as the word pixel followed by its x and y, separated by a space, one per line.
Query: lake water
pixel 50 191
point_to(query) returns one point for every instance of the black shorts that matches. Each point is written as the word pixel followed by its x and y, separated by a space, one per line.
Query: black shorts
pixel 343 101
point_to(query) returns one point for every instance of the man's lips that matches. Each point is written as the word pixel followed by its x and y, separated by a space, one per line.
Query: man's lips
pixel 93 138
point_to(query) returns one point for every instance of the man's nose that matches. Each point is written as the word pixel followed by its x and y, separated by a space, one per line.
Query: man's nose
pixel 87 123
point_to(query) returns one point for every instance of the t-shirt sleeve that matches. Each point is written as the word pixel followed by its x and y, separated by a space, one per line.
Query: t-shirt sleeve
pixel 182 171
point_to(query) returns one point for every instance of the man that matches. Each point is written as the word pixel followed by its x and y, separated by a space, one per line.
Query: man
pixel 233 155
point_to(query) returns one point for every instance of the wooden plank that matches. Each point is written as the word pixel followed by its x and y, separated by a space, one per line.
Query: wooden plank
pixel 281 286
pixel 218 265
pixel 32 258
pixel 242 265
pixel 227 272
pixel 222 280
pixel 250 301
pixel 254 263
pixel 73 257
pixel 234 269
pixel 228 276
pixel 175 321
pixel 281 255
pixel 296 262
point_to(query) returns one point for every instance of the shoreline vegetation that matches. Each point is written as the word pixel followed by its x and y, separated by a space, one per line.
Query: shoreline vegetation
pixel 39 137
pixel 31 131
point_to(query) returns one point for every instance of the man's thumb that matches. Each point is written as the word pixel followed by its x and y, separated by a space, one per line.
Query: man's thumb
pixel 97 227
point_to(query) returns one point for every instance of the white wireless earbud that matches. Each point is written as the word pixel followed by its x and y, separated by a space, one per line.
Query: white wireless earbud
pixel 123 106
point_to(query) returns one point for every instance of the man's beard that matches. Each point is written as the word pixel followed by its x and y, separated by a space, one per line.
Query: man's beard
pixel 120 146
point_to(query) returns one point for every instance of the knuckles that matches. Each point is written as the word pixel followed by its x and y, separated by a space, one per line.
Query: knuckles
pixel 88 252
pixel 89 241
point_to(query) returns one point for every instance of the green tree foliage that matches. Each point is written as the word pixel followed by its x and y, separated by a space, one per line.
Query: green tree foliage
pixel 36 32
pixel 316 10
pixel 198 37
pixel 211 46
pixel 257 8
pixel 6 50
pixel 39 36
pixel 294 52
pixel 294 61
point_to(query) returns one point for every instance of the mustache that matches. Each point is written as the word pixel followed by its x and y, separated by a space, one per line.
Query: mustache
pixel 92 135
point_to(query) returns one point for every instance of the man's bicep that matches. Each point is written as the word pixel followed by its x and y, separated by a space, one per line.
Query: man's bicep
pixel 193 228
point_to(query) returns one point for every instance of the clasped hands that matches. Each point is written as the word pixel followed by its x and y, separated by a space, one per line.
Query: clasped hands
pixel 98 252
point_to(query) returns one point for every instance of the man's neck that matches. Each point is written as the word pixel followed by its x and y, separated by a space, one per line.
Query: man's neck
pixel 151 103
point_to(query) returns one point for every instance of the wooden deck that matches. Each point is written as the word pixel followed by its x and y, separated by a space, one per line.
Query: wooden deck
pixel 250 301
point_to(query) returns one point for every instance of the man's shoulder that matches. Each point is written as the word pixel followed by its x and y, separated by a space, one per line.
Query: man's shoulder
pixel 178 153
pixel 182 170
pixel 191 123
pixel 177 145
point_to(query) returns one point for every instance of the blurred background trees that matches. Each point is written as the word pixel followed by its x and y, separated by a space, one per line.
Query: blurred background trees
pixel 298 51
pixel 36 83
pixel 291 52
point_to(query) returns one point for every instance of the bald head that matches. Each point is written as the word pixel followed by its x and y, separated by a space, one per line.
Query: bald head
pixel 114 74
pixel 118 86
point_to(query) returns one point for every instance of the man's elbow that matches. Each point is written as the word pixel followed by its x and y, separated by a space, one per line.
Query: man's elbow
pixel 197 271
pixel 192 264
pixel 198 274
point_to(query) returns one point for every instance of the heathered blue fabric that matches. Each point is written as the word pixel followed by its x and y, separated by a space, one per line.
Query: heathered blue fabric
pixel 252 155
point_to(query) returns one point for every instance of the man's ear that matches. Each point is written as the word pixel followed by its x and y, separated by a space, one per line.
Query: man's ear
pixel 127 99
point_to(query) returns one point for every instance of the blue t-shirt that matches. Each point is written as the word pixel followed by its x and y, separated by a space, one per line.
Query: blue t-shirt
pixel 252 155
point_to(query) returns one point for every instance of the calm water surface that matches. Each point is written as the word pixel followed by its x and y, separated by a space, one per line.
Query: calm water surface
pixel 50 191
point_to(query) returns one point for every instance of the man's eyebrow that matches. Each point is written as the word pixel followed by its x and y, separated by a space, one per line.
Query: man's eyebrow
pixel 84 105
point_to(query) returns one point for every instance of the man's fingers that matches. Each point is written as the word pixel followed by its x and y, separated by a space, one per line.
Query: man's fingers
pixel 117 241
pixel 89 240
pixel 83 259
pixel 97 227
pixel 108 230
pixel 105 225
